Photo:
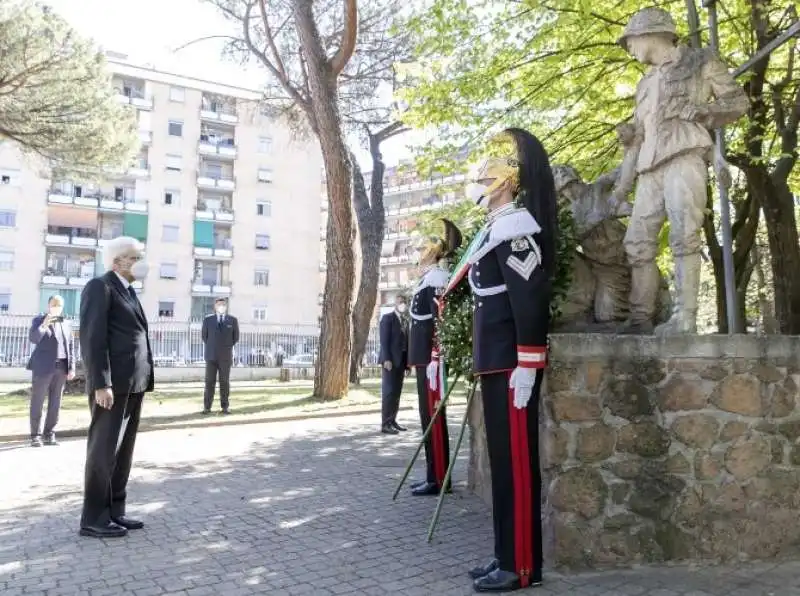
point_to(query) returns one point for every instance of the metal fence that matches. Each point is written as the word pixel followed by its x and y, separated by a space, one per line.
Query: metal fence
pixel 179 343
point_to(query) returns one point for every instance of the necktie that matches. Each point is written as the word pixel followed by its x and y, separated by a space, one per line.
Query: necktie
pixel 132 292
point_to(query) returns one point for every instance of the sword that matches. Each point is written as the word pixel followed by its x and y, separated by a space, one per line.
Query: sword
pixel 446 482
pixel 424 438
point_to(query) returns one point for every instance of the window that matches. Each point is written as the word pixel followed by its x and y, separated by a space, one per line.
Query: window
pixel 260 313
pixel 177 94
pixel 5 300
pixel 175 128
pixel 166 309
pixel 264 144
pixel 174 163
pixel 169 233
pixel 264 175
pixel 261 277
pixel 262 241
pixel 8 219
pixel 171 197
pixel 169 271
pixel 6 260
pixel 10 177
pixel 264 208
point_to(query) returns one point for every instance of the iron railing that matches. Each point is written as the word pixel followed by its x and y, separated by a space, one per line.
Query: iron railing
pixel 179 343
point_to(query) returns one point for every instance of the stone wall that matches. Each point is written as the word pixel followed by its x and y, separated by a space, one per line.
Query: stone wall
pixel 657 450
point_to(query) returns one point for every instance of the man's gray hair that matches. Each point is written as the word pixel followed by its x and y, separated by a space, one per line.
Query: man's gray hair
pixel 117 247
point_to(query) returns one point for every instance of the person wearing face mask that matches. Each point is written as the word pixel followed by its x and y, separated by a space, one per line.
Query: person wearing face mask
pixel 394 357
pixel 423 353
pixel 119 370
pixel 220 333
pixel 52 363
pixel 510 267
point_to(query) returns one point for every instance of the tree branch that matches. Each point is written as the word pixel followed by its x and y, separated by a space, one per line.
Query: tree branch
pixel 349 36
pixel 271 41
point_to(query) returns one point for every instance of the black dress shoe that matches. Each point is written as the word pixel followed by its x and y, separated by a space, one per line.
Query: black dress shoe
pixel 225 411
pixel 50 440
pixel 206 412
pixel 388 429
pixel 484 570
pixel 398 427
pixel 36 441
pixel 502 581
pixel 426 489
pixel 128 523
pixel 110 530
pixel 418 483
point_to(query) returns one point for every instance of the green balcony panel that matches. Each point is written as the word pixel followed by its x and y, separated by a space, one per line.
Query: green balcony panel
pixel 204 234
pixel 135 225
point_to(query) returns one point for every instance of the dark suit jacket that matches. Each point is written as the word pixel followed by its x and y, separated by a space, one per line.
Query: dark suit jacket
pixel 394 340
pixel 219 341
pixel 114 338
pixel 45 354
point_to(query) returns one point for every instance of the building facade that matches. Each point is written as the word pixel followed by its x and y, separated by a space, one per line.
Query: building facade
pixel 406 196
pixel 224 197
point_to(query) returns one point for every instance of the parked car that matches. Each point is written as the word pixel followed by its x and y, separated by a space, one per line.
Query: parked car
pixel 299 361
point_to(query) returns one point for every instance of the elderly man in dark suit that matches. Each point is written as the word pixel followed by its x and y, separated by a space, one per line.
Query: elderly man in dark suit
pixel 394 358
pixel 119 371
pixel 220 333
pixel 52 364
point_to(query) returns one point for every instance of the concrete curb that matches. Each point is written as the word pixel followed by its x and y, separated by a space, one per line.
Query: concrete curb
pixel 149 425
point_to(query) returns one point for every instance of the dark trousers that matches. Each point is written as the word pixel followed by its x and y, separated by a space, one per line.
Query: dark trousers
pixel 391 388
pixel 50 386
pixel 437 445
pixel 224 370
pixel 512 436
pixel 109 453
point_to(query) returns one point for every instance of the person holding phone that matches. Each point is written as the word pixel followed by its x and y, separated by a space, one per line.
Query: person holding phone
pixel 52 364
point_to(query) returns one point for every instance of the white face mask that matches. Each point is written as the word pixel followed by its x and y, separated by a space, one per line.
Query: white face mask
pixel 139 270
pixel 401 308
pixel 55 311
pixel 221 310
pixel 477 194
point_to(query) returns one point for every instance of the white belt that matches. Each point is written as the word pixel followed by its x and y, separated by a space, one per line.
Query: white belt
pixel 492 291
pixel 421 317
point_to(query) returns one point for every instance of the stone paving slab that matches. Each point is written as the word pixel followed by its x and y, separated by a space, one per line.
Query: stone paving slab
pixel 293 508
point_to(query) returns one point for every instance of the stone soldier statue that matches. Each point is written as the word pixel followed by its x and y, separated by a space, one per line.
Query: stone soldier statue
pixel 686 92
pixel 512 267
pixel 423 353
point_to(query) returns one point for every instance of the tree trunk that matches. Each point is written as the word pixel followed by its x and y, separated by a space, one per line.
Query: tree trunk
pixel 784 248
pixel 330 377
pixel 371 224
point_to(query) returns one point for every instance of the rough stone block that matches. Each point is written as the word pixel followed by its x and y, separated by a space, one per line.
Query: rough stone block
pixel 596 443
pixel 739 394
pixel 782 403
pixel 696 430
pixel 747 458
pixel 707 466
pixel 628 399
pixel 643 438
pixel 580 490
pixel 570 407
pixel 733 430
pixel 679 393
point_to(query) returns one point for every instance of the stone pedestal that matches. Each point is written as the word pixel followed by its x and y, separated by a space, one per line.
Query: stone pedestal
pixel 665 449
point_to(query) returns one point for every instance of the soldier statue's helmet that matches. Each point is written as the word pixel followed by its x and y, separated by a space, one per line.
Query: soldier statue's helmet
pixel 443 246
pixel 564 175
pixel 649 21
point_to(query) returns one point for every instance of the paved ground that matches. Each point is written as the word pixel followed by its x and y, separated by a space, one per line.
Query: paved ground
pixel 290 508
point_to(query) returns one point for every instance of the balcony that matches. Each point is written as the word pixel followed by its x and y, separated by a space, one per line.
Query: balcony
pixel 146 137
pixel 204 288
pixel 216 146
pixel 391 285
pixel 212 111
pixel 61 278
pixel 217 252
pixel 59 197
pixel 395 259
pixel 221 214
pixel 215 181
pixel 136 99
pixel 76 237
pixel 118 205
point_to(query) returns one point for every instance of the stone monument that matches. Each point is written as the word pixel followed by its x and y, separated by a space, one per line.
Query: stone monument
pixel 667 144
pixel 597 299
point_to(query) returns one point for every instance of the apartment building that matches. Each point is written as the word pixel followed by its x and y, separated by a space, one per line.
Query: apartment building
pixel 406 196
pixel 224 197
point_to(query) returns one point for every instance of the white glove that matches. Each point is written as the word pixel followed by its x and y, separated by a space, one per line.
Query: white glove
pixel 433 374
pixel 522 381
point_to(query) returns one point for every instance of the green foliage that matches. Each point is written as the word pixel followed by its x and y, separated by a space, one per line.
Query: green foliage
pixel 454 328
pixel 56 98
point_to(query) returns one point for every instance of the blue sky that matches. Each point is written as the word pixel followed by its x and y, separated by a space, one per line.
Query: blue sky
pixel 150 30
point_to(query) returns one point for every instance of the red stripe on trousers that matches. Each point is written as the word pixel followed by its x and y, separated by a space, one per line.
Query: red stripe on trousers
pixel 439 469
pixel 520 464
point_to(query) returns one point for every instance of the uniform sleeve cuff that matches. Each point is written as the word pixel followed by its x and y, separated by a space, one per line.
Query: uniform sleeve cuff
pixel 531 356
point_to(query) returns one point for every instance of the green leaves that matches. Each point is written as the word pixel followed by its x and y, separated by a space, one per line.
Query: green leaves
pixel 56 98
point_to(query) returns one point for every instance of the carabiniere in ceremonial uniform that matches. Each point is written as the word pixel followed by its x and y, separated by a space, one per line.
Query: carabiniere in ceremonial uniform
pixel 423 354
pixel 510 269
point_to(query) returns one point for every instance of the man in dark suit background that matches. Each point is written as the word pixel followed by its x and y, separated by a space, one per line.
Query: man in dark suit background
pixel 394 358
pixel 220 333
pixel 119 371
pixel 52 364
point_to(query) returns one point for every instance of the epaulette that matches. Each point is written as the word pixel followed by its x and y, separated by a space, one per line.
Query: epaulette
pixel 518 223
pixel 436 277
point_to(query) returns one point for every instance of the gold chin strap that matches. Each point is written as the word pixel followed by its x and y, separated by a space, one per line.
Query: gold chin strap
pixel 501 170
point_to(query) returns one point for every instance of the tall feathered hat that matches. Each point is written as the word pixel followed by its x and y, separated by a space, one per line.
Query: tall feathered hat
pixel 524 162
pixel 443 246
